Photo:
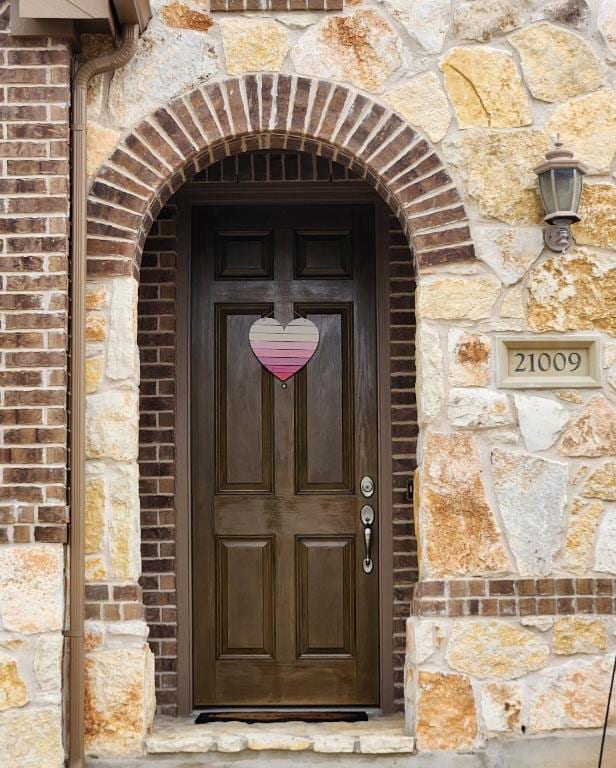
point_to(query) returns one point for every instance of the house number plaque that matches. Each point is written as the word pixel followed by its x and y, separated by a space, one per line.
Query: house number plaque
pixel 533 362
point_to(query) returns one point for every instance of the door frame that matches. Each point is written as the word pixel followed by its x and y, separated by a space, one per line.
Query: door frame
pixel 311 192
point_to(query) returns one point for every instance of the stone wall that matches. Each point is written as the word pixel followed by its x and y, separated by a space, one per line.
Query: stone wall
pixel 445 107
pixel 34 97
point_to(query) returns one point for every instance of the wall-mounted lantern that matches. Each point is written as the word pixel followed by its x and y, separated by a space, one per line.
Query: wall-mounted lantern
pixel 560 185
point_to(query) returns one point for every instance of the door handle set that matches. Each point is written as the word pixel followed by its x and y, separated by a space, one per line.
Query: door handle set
pixel 367 517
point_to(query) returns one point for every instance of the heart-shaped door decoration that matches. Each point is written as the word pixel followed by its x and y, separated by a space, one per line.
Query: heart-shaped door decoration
pixel 283 351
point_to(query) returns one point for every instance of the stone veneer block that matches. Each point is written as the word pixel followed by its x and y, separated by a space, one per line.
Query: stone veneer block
pixel 459 533
pixel 31 738
pixel 501 706
pixel 423 103
pixel 578 634
pixel 509 252
pixel 541 420
pixel 470 356
pixel 13 691
pixel 531 494
pixel 593 431
pixel 479 408
pixel 431 389
pixel 583 520
pixel 456 298
pixel 446 717
pixel 598 224
pixel 426 21
pixel 601 483
pixel 484 19
pixel 112 420
pixel 253 45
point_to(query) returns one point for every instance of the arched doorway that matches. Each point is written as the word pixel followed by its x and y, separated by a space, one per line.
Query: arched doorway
pixel 321 193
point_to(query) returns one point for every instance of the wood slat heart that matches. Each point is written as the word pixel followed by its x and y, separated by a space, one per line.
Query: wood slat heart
pixel 283 351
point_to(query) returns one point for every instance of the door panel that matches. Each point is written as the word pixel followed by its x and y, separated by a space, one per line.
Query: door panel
pixel 283 612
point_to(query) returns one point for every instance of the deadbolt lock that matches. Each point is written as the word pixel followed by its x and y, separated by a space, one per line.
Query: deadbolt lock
pixel 367 486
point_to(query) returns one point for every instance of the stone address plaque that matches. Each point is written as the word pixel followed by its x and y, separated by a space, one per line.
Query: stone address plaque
pixel 534 362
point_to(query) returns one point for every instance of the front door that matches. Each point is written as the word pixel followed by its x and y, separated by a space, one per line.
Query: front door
pixel 284 612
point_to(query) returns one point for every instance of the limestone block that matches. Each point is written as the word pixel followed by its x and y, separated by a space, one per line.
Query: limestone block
pixel 13 691
pixel 601 484
pixel 593 431
pixel 176 14
pixel 122 351
pixel 184 740
pixel 48 662
pixel 229 742
pixel 446 714
pixel 542 623
pixel 574 13
pixel 97 296
pixel 606 24
pixel 94 373
pixel 484 19
pixel 261 740
pixel 457 298
pixel 119 691
pixel 605 551
pixel 460 533
pixel 478 408
pixel 124 523
pixel 333 743
pixel 95 568
pixel 95 515
pixel 506 186
pixel 423 638
pixel 598 224
pixel 541 420
pixel 426 21
pixel 495 649
pixel 126 634
pixel 583 521
pixel 94 635
pixel 531 493
pixel 513 304
pixel 571 695
pixel 430 390
pixel 362 49
pixel 578 634
pixel 148 81
pixel 501 706
pixel 112 420
pixel 96 325
pixel 587 126
pixel 469 358
pixel 32 588
pixel 253 45
pixel 385 744
pixel 423 103
pixel 573 292
pixel 569 396
pixel 556 63
pixel 31 738
pixel 485 88
pixel 101 142
pixel 509 252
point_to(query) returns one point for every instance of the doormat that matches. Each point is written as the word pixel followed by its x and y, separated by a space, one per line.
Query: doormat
pixel 281 717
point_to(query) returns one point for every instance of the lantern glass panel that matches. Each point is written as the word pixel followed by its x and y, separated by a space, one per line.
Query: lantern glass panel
pixel 545 187
pixel 577 190
pixel 564 182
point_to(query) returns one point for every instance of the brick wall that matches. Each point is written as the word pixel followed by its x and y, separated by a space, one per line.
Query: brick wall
pixel 34 99
pixel 157 415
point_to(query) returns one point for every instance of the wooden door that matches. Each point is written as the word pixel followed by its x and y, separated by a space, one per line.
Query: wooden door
pixel 284 613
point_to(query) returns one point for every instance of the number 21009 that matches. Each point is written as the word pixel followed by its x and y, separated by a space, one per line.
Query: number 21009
pixel 543 362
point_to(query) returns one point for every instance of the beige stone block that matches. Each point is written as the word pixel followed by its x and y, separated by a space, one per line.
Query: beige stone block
pixel 457 298
pixel 48 662
pixel 509 252
pixel 460 536
pixel 188 740
pixel 446 714
pixel 571 695
pixel 569 396
pixel 118 701
pixel 97 296
pixel 578 634
pixel 483 19
pixel 431 388
pixel 485 88
pixel 101 142
pixel 423 103
pixel 495 649
pixel 180 16
pixel 124 523
pixel 605 549
pixel 501 706
pixel 606 24
pixel 593 431
pixel 94 373
pixel 96 325
pixel 261 740
pixel 601 483
pixel 479 408
pixel 587 126
pixel 573 292
pixel 122 351
pixel 542 623
pixel 95 568
pixel 470 357
pixel 94 635
pixel 583 521
pixel 556 63
pixel 378 744
pixel 513 304
pixel 541 420
pixel 361 48
pixel 32 588
pixel 112 420
pixel 333 743
pixel 229 742
pixel 597 205
pixel 506 187
pixel 253 45
pixel 31 738
pixel 13 691
pixel 95 515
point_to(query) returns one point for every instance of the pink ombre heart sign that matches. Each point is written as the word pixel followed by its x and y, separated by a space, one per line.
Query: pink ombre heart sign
pixel 283 351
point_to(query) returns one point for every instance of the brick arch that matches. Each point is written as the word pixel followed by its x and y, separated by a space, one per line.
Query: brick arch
pixel 279 112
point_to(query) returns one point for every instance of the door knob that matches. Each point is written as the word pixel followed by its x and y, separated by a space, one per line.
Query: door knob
pixel 367 486
pixel 366 516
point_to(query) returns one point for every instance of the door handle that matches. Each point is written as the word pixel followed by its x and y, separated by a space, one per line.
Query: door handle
pixel 367 517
